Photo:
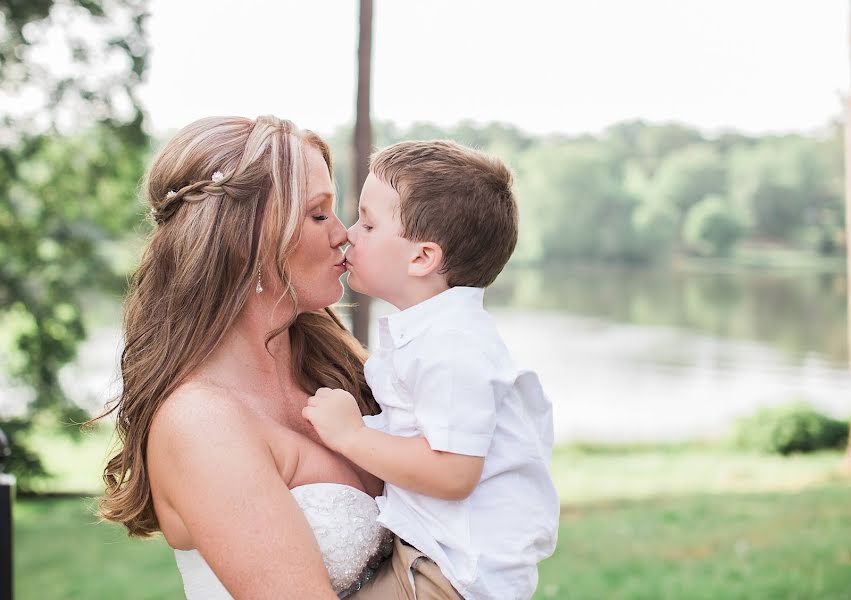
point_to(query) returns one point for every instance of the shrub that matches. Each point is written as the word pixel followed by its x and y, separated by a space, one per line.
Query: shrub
pixel 711 228
pixel 796 427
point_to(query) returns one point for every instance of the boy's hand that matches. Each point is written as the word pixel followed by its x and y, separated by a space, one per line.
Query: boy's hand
pixel 335 416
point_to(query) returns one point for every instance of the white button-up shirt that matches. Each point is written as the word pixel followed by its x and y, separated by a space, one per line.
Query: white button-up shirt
pixel 442 372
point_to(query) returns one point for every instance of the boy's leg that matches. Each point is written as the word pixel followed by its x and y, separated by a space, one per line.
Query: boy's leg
pixel 390 582
pixel 407 575
pixel 429 581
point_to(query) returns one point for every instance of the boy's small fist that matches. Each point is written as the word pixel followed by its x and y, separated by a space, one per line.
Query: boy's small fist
pixel 335 416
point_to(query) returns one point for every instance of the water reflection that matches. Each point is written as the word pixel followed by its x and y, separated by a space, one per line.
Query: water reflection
pixel 629 383
pixel 632 355
pixel 799 314
pixel 647 355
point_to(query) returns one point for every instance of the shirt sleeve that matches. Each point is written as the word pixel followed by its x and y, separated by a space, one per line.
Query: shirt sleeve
pixel 378 421
pixel 454 397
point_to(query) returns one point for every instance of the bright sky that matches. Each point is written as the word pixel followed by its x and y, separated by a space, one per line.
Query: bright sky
pixel 545 66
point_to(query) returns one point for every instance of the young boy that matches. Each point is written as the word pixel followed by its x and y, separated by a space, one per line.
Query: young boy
pixel 464 438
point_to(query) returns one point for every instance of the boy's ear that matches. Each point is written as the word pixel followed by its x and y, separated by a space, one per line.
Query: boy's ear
pixel 428 259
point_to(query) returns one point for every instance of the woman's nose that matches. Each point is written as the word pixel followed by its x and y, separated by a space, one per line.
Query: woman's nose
pixel 339 235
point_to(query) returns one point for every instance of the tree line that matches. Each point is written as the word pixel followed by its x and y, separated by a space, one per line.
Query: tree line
pixel 646 193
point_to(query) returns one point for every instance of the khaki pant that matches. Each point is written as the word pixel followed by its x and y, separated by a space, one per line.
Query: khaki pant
pixel 394 578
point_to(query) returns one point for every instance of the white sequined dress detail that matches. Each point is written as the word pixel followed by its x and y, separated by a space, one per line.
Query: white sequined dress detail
pixel 343 520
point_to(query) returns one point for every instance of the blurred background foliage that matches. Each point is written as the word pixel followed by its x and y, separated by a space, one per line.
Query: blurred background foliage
pixel 636 194
pixel 70 161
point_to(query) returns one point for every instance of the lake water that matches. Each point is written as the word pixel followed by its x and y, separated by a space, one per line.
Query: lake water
pixel 647 355
pixel 632 356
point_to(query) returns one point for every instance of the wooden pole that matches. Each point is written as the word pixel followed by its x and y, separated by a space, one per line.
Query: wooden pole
pixel 362 148
pixel 7 500
pixel 847 462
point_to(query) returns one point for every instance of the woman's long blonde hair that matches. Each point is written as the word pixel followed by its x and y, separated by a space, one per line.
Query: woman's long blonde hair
pixel 225 192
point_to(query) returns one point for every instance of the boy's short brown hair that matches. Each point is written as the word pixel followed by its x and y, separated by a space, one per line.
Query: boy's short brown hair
pixel 457 197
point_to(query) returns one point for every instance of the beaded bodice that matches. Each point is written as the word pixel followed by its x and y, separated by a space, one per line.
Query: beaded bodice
pixel 343 520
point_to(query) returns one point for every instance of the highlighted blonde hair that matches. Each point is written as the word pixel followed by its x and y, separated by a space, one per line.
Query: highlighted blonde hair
pixel 195 277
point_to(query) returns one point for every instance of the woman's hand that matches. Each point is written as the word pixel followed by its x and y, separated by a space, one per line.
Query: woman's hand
pixel 335 416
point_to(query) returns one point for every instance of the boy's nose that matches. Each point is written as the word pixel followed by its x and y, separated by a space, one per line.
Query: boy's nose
pixel 350 233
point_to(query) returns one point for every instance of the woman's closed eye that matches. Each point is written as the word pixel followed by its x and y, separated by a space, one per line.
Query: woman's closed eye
pixel 320 217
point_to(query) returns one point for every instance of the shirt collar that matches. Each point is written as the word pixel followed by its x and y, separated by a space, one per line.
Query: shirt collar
pixel 403 326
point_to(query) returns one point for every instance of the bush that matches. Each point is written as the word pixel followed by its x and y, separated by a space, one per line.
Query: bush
pixel 711 228
pixel 796 427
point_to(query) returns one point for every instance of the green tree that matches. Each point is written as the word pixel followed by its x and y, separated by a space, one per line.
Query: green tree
pixel 68 172
pixel 654 223
pixel 789 188
pixel 689 175
pixel 649 144
pixel 573 205
pixel 640 182
pixel 711 227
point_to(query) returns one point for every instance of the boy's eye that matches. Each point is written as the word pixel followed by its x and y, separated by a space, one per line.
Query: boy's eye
pixel 367 227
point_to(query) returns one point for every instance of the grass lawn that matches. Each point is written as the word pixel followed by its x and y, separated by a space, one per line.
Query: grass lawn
pixel 61 551
pixel 676 522
pixel 705 546
pixel 601 474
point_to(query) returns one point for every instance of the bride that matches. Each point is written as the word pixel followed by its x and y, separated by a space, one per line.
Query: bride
pixel 227 333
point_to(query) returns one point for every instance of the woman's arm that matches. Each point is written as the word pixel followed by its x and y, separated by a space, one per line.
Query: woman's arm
pixel 212 467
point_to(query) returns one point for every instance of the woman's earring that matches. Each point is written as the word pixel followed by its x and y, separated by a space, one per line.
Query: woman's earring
pixel 259 288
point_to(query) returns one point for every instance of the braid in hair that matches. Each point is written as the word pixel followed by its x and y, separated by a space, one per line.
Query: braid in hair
pixel 190 192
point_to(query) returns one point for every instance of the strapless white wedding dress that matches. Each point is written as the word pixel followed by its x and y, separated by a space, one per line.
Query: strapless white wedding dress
pixel 343 520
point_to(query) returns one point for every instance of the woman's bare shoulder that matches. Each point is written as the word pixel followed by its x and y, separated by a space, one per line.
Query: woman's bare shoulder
pixel 217 486
pixel 200 409
pixel 198 422
pixel 195 417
